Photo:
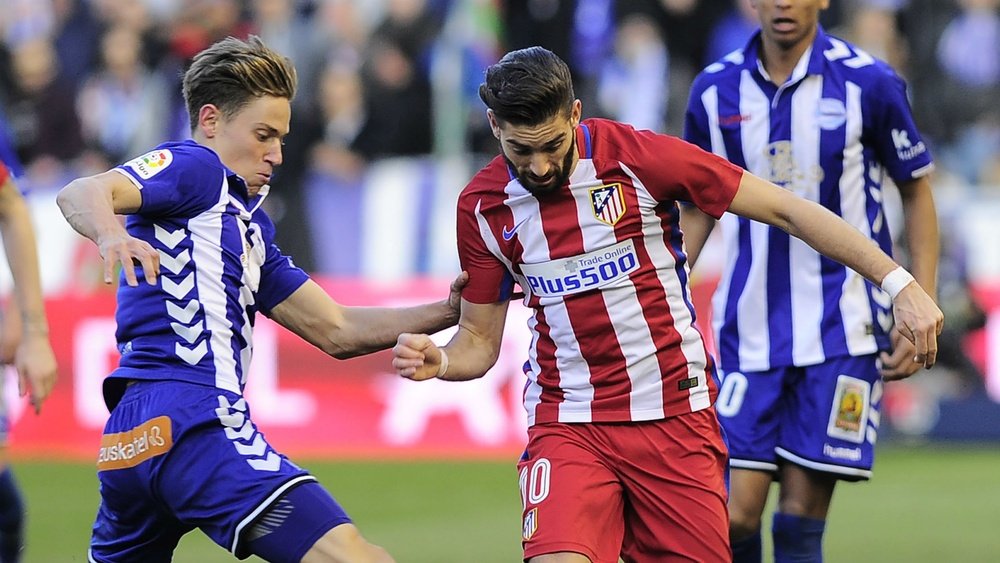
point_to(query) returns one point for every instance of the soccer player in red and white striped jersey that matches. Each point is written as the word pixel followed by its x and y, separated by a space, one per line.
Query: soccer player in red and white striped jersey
pixel 625 456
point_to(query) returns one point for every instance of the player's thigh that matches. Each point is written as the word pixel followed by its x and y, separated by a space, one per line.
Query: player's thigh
pixel 220 473
pixel 306 523
pixel 572 501
pixel 749 406
pixel 673 472
pixel 131 524
pixel 834 427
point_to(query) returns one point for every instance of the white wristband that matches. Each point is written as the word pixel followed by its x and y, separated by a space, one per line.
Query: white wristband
pixel 444 363
pixel 895 281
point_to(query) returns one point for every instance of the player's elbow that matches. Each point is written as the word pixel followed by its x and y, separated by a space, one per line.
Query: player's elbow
pixel 341 347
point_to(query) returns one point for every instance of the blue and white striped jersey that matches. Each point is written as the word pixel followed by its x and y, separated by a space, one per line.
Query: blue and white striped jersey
pixel 834 133
pixel 218 266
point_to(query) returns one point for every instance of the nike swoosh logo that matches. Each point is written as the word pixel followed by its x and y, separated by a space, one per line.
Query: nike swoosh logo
pixel 507 235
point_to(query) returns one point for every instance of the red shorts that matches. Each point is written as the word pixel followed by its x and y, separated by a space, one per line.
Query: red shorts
pixel 646 491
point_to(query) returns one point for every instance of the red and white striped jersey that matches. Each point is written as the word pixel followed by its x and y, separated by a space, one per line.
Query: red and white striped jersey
pixel 602 266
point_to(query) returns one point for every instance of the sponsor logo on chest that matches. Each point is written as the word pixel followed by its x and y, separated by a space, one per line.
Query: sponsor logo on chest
pixel 583 272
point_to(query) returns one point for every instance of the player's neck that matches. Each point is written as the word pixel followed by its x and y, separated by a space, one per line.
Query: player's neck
pixel 780 61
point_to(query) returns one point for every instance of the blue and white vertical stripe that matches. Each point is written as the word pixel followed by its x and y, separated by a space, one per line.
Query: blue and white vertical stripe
pixel 820 136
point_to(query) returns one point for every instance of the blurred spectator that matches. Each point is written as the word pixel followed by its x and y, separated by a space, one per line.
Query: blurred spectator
pixel 633 81
pixel 342 24
pixel 684 25
pixel 42 111
pixel 546 23
pixel 73 37
pixel 199 23
pixel 411 27
pixel 468 44
pixel 285 30
pixel 872 26
pixel 968 52
pixel 22 21
pixel 397 104
pixel 732 31
pixel 334 183
pixel 138 16
pixel 122 106
pixel 593 47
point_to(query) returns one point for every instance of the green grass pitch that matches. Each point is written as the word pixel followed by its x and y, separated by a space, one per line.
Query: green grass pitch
pixel 924 504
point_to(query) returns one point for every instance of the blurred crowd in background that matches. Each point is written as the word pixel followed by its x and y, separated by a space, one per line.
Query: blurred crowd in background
pixel 387 124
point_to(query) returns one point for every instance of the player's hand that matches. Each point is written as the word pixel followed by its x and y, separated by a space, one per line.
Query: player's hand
pixel 122 248
pixel 416 357
pixel 920 320
pixel 899 364
pixel 36 369
pixel 455 297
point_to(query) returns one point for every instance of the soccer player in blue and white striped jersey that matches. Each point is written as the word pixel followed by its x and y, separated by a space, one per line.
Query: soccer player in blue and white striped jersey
pixel 803 342
pixel 180 449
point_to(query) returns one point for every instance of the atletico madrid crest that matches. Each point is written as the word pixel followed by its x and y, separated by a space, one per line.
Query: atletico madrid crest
pixel 608 203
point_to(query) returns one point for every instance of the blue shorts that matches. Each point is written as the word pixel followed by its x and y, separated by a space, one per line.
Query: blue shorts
pixel 177 456
pixel 823 417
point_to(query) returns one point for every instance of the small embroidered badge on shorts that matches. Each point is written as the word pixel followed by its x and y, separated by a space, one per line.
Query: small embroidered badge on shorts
pixel 849 411
pixel 530 524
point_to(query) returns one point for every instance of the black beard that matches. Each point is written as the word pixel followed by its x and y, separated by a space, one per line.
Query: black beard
pixel 563 176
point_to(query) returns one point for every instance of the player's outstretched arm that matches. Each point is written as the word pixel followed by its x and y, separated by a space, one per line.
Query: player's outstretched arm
pixel 471 352
pixel 90 205
pixel 917 316
pixel 345 332
pixel 34 359
pixel 923 243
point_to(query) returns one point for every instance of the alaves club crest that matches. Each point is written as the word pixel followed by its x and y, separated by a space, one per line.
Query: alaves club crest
pixel 608 203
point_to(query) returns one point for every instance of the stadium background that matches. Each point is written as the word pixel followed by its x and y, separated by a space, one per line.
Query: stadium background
pixel 387 127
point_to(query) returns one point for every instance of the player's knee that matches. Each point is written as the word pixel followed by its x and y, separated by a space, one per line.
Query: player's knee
pixel 743 523
pixel 345 544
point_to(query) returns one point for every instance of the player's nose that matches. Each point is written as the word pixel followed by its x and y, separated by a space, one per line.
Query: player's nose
pixel 540 165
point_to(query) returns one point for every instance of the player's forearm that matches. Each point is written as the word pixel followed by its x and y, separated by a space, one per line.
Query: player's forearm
pixel 816 225
pixel 346 332
pixel 833 237
pixel 88 207
pixel 22 257
pixel 470 355
pixel 922 236
pixel 370 329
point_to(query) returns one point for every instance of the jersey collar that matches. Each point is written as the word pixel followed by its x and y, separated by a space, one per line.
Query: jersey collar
pixel 811 63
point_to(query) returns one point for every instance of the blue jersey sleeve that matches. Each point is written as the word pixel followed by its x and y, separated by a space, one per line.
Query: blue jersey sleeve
pixel 176 180
pixel 696 118
pixel 279 276
pixel 892 131
pixel 7 153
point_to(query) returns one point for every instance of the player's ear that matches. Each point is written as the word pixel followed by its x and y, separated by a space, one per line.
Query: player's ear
pixel 494 124
pixel 208 119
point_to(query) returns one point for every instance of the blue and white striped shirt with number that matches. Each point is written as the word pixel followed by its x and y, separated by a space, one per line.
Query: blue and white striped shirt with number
pixel 839 131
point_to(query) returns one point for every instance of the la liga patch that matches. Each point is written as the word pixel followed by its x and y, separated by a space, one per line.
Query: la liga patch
pixel 151 163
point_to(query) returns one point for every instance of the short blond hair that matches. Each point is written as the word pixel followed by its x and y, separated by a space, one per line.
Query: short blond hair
pixel 232 73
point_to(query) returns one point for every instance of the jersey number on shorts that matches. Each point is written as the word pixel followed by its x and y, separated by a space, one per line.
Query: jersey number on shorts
pixel 534 482
pixel 734 389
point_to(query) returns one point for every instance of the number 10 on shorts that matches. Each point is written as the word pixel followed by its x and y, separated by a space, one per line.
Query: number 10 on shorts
pixel 534 484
